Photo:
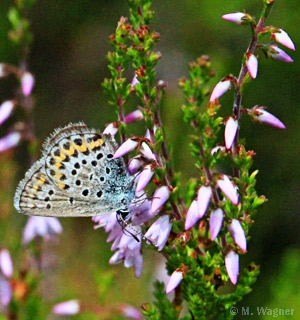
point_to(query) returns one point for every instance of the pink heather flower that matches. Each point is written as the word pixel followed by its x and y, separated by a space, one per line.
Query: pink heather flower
pixel 215 223
pixel 111 128
pixel 9 141
pixel 159 232
pixel 147 152
pixel 236 17
pixel 66 308
pixel 228 188
pixel 263 116
pixel 204 195
pixel 282 37
pixel 174 280
pixel 134 116
pixel 232 266
pixel 147 135
pixel 277 54
pixel 5 292
pixel 44 227
pixel 141 213
pixel 135 164
pixel 5 110
pixel 222 87
pixel 192 215
pixel 252 65
pixel 216 149
pixel 6 265
pixel 129 250
pixel 130 312
pixel 161 195
pixel 27 83
pixel 238 234
pixel 145 177
pixel 134 81
pixel 231 128
pixel 126 147
pixel 3 73
pixel 108 221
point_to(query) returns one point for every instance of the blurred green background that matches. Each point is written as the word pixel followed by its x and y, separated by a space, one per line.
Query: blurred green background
pixel 68 59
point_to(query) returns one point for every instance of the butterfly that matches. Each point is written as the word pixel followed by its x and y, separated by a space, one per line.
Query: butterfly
pixel 76 176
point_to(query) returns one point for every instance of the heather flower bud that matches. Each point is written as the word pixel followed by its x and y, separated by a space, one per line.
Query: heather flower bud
pixel 228 188
pixel 232 266
pixel 282 37
pixel 192 215
pixel 159 232
pixel 230 131
pixel 147 152
pixel 125 148
pixel 27 83
pixel 277 54
pixel 238 234
pixel 263 116
pixel 216 149
pixel 6 109
pixel 174 280
pixel 111 128
pixel 145 177
pixel 215 223
pixel 135 164
pixel 130 312
pixel 204 195
pixel 161 195
pixel 6 265
pixel 236 17
pixel 67 308
pixel 134 81
pixel 252 65
pixel 222 87
pixel 134 116
pixel 9 141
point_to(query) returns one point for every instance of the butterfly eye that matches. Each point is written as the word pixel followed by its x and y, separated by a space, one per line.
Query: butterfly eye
pixel 124 201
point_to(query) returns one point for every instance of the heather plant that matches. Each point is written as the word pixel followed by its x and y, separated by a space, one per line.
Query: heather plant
pixel 200 226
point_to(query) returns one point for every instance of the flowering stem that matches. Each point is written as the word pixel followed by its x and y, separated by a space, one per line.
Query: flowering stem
pixel 243 72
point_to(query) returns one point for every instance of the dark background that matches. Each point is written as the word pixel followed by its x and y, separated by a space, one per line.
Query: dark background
pixel 68 59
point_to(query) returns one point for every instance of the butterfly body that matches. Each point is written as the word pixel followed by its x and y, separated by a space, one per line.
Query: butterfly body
pixel 76 176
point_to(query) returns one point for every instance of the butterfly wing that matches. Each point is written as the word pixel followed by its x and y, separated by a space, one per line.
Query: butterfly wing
pixel 80 173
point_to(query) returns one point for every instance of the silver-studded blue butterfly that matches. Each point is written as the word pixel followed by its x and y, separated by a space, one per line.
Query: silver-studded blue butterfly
pixel 77 176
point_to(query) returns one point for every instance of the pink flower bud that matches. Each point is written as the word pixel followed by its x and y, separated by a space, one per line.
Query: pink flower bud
pixel 192 215
pixel 145 177
pixel 147 152
pixel 135 164
pixel 6 265
pixel 238 234
pixel 221 87
pixel 9 141
pixel 263 116
pixel 134 116
pixel 67 308
pixel 125 148
pixel 3 73
pixel 215 223
pixel 236 17
pixel 161 195
pixel 131 312
pixel 228 188
pixel 282 37
pixel 111 128
pixel 27 83
pixel 5 110
pixel 204 195
pixel 134 81
pixel 174 280
pixel 252 65
pixel 277 54
pixel 230 131
pixel 232 266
